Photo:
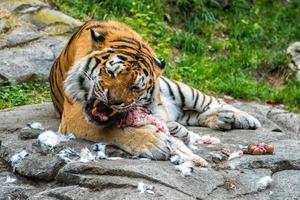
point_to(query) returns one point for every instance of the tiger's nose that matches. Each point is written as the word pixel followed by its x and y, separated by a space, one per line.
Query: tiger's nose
pixel 112 100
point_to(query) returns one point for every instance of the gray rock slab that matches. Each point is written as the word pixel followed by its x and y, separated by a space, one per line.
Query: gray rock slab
pixel 32 37
pixel 76 192
pixel 33 59
pixel 41 175
pixel 42 167
pixel 19 36
pixel 239 184
pixel 285 156
pixel 130 172
pixel 286 184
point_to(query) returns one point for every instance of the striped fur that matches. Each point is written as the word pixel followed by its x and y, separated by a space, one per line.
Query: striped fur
pixel 108 61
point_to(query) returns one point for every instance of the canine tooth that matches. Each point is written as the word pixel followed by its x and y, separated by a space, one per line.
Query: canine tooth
pixel 97 101
pixel 94 111
pixel 112 113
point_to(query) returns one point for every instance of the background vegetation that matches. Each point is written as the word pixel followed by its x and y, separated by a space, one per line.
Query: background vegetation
pixel 221 47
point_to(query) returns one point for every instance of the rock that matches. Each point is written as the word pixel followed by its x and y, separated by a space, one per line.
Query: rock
pixel 34 59
pixel 47 17
pixel 19 36
pixel 3 27
pixel 239 183
pixel 26 134
pixel 76 192
pixel 285 186
pixel 286 156
pixel 294 52
pixel 39 167
pixel 287 120
pixel 118 179
pixel 162 175
pixel 17 5
pixel 13 192
pixel 33 34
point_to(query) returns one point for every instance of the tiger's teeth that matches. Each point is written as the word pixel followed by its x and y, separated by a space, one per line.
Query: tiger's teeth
pixel 94 111
pixel 103 118
pixel 97 101
pixel 112 113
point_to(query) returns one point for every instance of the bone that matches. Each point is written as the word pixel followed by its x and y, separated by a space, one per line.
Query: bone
pixel 264 183
pixel 236 154
pixel 143 188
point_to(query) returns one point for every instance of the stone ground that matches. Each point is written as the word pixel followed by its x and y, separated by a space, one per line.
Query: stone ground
pixel 32 35
pixel 43 176
pixel 32 32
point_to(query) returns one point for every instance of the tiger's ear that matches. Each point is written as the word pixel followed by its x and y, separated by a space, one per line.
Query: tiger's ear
pixel 97 37
pixel 160 63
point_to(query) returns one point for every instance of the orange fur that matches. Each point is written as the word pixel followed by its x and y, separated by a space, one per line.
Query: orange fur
pixel 137 141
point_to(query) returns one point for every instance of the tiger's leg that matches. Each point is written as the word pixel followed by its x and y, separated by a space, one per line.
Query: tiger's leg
pixel 179 131
pixel 223 117
pixel 142 141
pixel 200 109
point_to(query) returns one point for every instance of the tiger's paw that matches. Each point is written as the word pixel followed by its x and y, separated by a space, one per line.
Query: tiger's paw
pixel 228 117
pixel 179 148
pixel 162 146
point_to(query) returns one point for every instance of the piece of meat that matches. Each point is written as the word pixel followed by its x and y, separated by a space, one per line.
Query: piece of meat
pixel 139 116
pixel 259 149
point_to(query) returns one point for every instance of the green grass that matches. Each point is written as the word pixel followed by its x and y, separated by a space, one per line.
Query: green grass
pixel 25 93
pixel 238 50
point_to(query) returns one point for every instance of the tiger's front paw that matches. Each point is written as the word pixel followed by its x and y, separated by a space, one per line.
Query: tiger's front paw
pixel 228 117
pixel 161 146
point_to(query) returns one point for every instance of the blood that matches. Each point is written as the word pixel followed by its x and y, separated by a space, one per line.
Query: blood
pixel 138 117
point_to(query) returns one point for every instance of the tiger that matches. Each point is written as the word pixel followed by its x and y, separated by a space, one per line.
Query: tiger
pixel 106 63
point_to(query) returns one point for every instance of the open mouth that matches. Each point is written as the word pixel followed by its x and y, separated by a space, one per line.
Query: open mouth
pixel 99 113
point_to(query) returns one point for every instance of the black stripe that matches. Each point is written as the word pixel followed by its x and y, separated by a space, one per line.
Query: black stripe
pixel 126 40
pixel 57 86
pixel 96 65
pixel 193 93
pixel 188 119
pixel 207 105
pixel 196 101
pixel 54 80
pixel 56 101
pixel 202 101
pixel 169 88
pixel 180 94
pixel 53 86
pixel 198 114
pixel 132 41
pixel 123 47
pixel 86 67
pixel 186 134
pixel 177 127
pixel 145 63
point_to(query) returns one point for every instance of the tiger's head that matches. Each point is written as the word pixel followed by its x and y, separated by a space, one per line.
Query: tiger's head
pixel 119 73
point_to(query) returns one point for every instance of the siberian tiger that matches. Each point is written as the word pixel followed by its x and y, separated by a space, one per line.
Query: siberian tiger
pixel 108 64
